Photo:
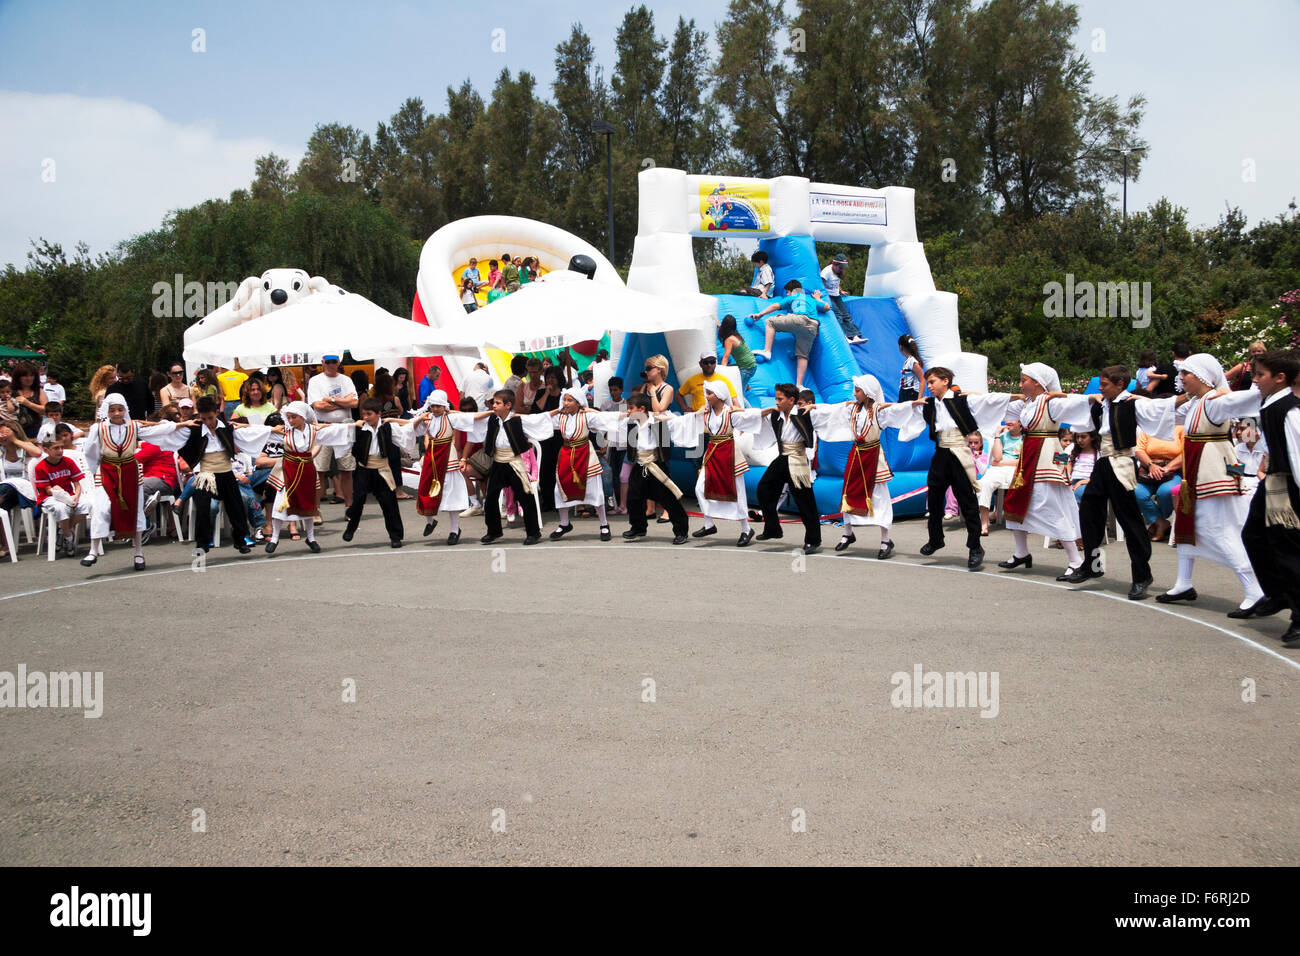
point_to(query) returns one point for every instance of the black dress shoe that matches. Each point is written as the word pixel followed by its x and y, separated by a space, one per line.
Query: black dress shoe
pixel 1081 574
pixel 488 538
pixel 314 546
pixel 745 538
pixel 532 539
pixel 395 542
pixel 271 546
pixel 139 564
pixel 769 537
pixel 929 548
pixel 631 534
pixel 1067 574
pixel 1013 562
pixel 604 533
pixel 561 531
pixel 677 539
pixel 1267 606
pixel 428 528
pixel 886 551
pixel 1169 597
pixel 844 542
pixel 704 532
pixel 349 533
pixel 662 520
pixel 242 547
pixel 1238 614
pixel 88 561
pixel 1291 639
pixel 811 548
pixel 453 538
pixel 1138 591
pixel 976 559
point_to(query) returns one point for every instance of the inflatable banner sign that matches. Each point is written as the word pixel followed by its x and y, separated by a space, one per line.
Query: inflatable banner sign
pixel 840 207
pixel 738 207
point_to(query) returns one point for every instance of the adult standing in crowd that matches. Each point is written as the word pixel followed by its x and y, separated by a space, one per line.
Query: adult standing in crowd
pixel 205 385
pixel 231 381
pixel 254 404
pixel 1241 375
pixel 333 396
pixel 428 383
pixel 100 382
pixel 402 390
pixel 136 392
pixel 175 389
pixel 28 398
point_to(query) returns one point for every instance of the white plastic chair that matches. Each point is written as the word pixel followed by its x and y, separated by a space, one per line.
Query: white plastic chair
pixel 7 527
pixel 49 527
pixel 161 504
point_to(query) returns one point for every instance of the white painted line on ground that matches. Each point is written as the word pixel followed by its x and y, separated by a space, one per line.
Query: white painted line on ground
pixel 473 547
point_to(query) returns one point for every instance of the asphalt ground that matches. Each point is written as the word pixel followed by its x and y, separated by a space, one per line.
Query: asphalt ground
pixel 587 703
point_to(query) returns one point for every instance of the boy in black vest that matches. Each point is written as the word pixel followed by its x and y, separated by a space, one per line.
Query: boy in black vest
pixel 1272 531
pixel 1116 417
pixel 793 432
pixel 209 450
pixel 950 417
pixel 505 436
pixel 379 469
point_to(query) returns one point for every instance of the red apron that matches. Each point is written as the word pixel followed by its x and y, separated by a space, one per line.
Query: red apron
pixel 119 474
pixel 433 472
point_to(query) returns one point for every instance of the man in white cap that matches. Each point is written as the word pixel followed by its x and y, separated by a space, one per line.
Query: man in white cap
pixel 720 488
pixel 332 396
pixel 690 397
pixel 1211 509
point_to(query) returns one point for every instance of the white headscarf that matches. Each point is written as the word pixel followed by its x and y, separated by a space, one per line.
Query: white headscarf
pixel 1207 368
pixel 437 397
pixel 719 389
pixel 1043 374
pixel 111 399
pixel 300 408
pixel 871 385
pixel 578 393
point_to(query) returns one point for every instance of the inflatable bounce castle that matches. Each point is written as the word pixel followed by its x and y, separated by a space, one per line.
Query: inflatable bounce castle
pixel 787 216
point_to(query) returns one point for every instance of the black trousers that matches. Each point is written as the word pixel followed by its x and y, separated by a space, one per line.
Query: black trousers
pixel 1274 554
pixel 641 485
pixel 546 472
pixel 368 481
pixel 500 477
pixel 1104 487
pixel 228 492
pixel 774 479
pixel 946 472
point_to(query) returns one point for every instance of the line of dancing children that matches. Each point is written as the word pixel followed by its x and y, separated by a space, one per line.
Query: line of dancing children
pixel 1258 540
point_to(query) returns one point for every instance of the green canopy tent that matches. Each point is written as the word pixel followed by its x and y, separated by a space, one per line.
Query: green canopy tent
pixel 8 353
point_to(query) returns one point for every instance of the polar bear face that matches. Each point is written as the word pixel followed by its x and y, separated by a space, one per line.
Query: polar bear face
pixel 281 287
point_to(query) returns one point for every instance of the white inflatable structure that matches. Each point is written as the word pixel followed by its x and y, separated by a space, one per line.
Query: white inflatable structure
pixel 675 206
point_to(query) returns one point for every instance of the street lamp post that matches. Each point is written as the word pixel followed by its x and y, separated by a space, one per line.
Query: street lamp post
pixel 1125 151
pixel 608 129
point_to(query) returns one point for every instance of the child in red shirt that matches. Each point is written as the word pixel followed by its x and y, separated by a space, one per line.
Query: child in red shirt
pixel 57 480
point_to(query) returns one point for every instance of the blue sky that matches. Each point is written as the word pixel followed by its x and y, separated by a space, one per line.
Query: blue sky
pixel 137 123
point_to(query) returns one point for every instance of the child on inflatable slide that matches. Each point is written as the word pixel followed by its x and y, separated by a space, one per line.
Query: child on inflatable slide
pixel 802 321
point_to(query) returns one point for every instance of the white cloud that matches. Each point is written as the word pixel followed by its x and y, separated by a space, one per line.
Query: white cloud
pixel 118 168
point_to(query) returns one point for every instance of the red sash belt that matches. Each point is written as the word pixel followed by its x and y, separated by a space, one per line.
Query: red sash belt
pixel 860 478
pixel 299 483
pixel 1016 503
pixel 1185 507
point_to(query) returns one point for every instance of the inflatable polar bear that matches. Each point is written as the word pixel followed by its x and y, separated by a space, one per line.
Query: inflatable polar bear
pixel 255 297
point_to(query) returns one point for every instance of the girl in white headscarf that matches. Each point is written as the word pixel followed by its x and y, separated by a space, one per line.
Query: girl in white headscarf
pixel 865 498
pixel 1211 508
pixel 442 485
pixel 294 476
pixel 577 466
pixel 1040 500
pixel 117 505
